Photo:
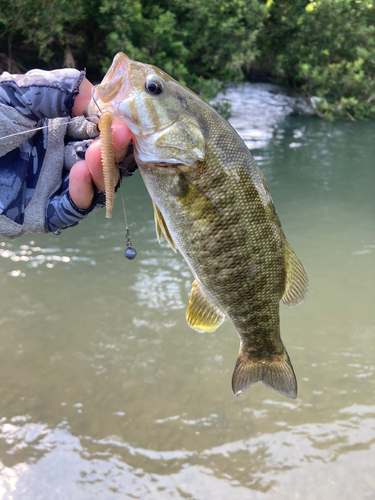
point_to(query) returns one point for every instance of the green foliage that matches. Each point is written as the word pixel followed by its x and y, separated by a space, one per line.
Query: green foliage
pixel 201 44
pixel 145 33
pixel 323 48
pixel 41 30
pixel 326 49
pixel 192 40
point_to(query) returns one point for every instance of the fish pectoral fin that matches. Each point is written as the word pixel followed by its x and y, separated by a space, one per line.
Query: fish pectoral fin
pixel 276 373
pixel 162 229
pixel 202 315
pixel 296 283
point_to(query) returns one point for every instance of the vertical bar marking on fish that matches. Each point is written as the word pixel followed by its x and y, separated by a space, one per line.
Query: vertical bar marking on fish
pixel 108 160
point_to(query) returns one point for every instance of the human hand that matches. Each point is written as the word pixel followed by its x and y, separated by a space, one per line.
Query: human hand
pixel 81 101
pixel 87 172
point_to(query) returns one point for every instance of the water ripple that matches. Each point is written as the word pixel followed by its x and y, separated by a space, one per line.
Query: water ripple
pixel 273 461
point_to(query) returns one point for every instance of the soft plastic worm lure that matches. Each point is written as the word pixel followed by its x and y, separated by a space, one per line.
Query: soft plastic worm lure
pixel 108 160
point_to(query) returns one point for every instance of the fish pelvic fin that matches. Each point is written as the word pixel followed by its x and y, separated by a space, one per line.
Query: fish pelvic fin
pixel 276 373
pixel 296 283
pixel 162 229
pixel 202 315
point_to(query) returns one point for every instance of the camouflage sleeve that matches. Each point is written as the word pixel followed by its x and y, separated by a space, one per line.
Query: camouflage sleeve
pixel 41 94
pixel 61 212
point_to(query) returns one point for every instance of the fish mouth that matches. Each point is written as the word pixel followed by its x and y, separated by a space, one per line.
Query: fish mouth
pixel 122 93
pixel 111 89
pixel 114 79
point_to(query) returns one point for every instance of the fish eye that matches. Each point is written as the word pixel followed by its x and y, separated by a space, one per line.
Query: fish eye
pixel 154 86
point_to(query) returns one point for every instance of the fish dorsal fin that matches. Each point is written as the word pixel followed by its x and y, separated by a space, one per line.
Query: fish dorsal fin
pixel 296 283
pixel 202 315
pixel 161 228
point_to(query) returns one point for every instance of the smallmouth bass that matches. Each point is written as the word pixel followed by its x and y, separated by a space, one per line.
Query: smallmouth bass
pixel 211 203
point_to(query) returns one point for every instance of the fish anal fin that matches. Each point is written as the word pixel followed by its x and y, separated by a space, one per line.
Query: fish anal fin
pixel 276 373
pixel 202 315
pixel 296 283
pixel 162 229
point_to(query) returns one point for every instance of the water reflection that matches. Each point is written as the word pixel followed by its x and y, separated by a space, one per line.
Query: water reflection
pixel 307 457
pixel 161 283
pixel 105 391
pixel 259 109
pixel 37 256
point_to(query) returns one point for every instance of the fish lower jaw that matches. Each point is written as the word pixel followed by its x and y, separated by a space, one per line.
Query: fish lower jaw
pixel 164 165
pixel 153 158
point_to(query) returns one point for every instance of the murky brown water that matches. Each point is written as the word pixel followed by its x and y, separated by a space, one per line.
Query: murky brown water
pixel 106 393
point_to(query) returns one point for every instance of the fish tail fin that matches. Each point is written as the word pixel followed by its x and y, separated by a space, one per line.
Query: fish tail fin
pixel 275 372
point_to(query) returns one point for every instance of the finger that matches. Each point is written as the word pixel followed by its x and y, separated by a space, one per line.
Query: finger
pixel 122 137
pixel 94 164
pixel 82 100
pixel 80 185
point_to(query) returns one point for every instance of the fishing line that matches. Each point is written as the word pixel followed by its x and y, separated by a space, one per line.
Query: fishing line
pixel 93 98
pixel 27 131
pixel 123 206
pixel 130 253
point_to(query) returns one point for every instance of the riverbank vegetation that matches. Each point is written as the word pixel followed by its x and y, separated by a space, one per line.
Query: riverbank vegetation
pixel 323 49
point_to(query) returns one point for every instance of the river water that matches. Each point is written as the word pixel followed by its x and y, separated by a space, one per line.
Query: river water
pixel 105 392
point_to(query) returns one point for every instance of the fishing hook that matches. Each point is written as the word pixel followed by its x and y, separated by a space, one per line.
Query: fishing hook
pixel 93 98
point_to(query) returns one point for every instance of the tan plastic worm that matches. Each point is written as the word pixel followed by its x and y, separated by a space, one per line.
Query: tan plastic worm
pixel 108 160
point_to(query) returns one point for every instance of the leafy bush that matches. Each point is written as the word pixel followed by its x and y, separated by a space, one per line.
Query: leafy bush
pixel 323 48
pixel 198 43
pixel 37 28
pixel 326 49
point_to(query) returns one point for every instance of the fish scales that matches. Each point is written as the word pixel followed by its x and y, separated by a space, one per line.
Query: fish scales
pixel 211 204
pixel 219 250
